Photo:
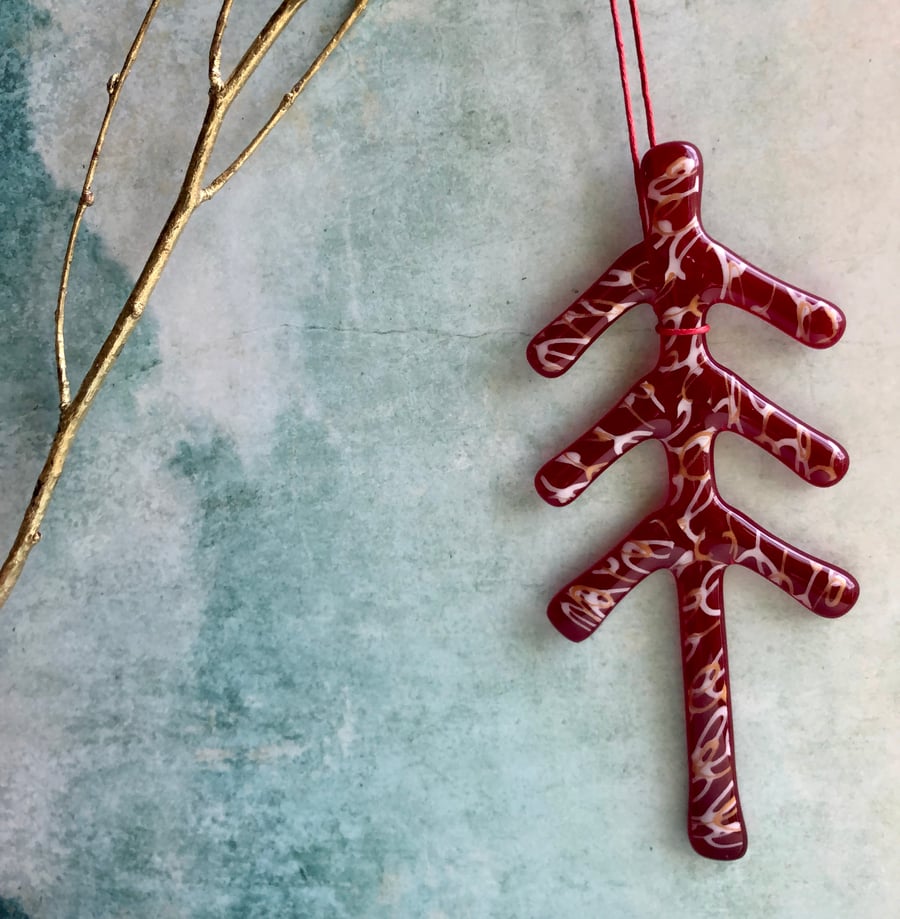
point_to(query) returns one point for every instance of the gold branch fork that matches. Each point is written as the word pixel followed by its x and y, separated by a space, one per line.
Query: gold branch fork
pixel 195 190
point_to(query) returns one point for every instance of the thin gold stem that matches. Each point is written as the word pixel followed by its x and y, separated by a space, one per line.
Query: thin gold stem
pixel 287 101
pixel 215 48
pixel 190 197
pixel 113 89
pixel 71 418
pixel 260 46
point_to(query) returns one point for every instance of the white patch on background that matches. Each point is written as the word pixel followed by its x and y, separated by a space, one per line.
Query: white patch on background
pixel 346 733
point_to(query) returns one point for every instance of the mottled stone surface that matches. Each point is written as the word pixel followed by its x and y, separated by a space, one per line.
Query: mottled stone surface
pixel 282 650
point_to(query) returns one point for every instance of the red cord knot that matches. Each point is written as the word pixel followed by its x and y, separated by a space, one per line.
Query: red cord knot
pixel 699 330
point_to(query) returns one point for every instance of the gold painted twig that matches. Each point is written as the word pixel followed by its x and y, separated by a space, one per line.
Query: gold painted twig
pixel 215 47
pixel 190 196
pixel 286 102
pixel 260 46
pixel 113 89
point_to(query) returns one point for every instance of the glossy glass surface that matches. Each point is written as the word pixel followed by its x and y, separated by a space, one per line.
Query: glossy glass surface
pixel 684 403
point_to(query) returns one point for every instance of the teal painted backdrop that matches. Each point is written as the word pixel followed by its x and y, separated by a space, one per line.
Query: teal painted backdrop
pixel 282 650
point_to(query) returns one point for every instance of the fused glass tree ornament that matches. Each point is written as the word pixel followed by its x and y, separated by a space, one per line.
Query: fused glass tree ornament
pixel 684 403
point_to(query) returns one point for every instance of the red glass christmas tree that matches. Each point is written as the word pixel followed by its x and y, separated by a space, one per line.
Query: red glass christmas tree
pixel 684 402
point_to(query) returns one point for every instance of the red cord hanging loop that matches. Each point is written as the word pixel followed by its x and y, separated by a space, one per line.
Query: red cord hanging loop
pixel 623 76
pixel 626 91
pixel 642 68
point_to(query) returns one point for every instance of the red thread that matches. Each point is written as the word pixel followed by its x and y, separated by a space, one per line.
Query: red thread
pixel 700 330
pixel 626 91
pixel 623 75
pixel 642 67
